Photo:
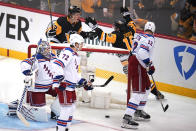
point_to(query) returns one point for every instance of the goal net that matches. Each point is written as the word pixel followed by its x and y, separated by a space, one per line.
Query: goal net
pixel 100 63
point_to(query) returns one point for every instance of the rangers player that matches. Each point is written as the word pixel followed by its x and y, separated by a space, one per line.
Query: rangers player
pixel 66 79
pixel 140 66
pixel 38 73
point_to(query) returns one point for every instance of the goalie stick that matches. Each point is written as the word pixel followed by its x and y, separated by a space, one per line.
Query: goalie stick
pixel 167 106
pixel 18 112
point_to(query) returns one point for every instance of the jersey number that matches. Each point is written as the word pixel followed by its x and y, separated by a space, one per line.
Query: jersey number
pixel 65 57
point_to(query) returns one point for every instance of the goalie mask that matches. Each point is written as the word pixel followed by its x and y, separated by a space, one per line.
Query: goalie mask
pixel 149 26
pixel 44 49
pixel 76 41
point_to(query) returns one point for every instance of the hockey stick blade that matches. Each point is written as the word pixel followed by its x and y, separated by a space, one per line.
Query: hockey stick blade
pixel 166 107
pixel 106 83
pixel 21 117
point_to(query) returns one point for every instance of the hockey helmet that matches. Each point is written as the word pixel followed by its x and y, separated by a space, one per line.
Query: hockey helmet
pixel 44 49
pixel 76 38
pixel 73 9
pixel 149 26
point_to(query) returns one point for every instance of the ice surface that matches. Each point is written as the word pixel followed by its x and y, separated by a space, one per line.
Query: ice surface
pixel 179 117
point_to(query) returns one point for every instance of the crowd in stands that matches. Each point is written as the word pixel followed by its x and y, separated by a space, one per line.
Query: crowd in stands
pixel 172 17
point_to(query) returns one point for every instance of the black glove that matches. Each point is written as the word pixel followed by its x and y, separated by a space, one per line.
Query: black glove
pixel 123 10
pixel 126 14
pixel 91 22
pixel 51 32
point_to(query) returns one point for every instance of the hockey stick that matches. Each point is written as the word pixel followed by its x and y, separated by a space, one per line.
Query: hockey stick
pixel 18 112
pixel 106 83
pixel 123 3
pixel 103 85
pixel 167 106
pixel 49 6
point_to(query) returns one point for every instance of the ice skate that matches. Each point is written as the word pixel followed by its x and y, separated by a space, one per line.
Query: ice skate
pixel 141 115
pixel 12 107
pixel 129 123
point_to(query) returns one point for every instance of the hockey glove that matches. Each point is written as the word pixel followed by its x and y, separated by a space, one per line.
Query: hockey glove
pixel 85 84
pixel 126 14
pixel 82 82
pixel 88 87
pixel 51 32
pixel 91 22
pixel 28 81
pixel 62 88
pixel 150 68
pixel 27 72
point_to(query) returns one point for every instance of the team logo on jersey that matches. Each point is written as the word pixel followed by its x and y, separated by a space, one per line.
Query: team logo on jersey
pixel 185 58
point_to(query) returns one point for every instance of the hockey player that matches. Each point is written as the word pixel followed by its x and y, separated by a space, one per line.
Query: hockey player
pixel 64 26
pixel 39 84
pixel 66 79
pixel 121 37
pixel 139 68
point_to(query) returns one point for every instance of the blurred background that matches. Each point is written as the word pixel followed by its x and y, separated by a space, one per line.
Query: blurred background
pixel 172 17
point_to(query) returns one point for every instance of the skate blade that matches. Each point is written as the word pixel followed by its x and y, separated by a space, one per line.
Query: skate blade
pixel 129 126
pixel 140 119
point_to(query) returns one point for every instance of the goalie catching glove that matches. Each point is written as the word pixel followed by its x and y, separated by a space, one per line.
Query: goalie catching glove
pixel 91 22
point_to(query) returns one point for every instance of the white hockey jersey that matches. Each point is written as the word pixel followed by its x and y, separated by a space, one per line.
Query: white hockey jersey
pixel 67 65
pixel 44 72
pixel 143 46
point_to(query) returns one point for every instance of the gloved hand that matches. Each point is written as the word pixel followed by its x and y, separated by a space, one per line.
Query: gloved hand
pixel 82 82
pixel 124 11
pixel 28 81
pixel 27 72
pixel 62 88
pixel 126 14
pixel 88 87
pixel 150 68
pixel 91 22
pixel 85 84
pixel 51 32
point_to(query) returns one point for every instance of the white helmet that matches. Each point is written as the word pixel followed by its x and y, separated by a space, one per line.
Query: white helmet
pixel 76 38
pixel 149 26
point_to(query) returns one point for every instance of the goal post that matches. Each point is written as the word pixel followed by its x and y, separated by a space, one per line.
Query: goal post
pixel 107 64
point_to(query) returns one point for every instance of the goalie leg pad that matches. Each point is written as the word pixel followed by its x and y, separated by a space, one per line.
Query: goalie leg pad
pixel 34 113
